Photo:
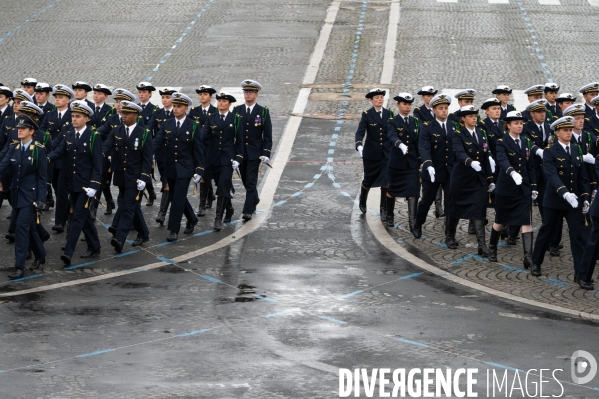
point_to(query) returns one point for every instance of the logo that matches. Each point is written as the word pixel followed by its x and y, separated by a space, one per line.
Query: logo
pixel 442 96
pixel 582 362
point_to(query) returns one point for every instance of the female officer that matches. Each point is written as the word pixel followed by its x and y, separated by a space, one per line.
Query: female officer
pixel 516 186
pixel 404 179
pixel 26 162
pixel 471 178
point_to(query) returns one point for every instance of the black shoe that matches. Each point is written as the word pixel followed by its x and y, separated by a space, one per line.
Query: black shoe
pixel 109 207
pixel 118 246
pixel 59 228
pixel 10 236
pixel 586 286
pixel 172 237
pixel 536 270
pixel 554 251
pixel 37 263
pixel 576 279
pixel 112 230
pixel 165 200
pixel 229 212
pixel 189 227
pixel 527 244
pixel 16 274
pixel 412 208
pixel 560 246
pixel 452 225
pixel 220 209
pixel 479 227
pixel 201 212
pixel 66 259
pixel 247 216
pixel 493 240
pixel 140 241
pixel 90 254
pixel 383 205
pixel 389 219
pixel 363 198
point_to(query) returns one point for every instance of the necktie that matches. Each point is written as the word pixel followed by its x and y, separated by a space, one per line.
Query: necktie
pixel 24 149
pixel 143 106
pixel 167 114
pixel 568 151
pixel 222 118
pixel 127 130
pixel 249 111
pixel 496 126
pixel 97 110
pixel 77 135
pixel 474 135
pixel 518 144
pixel 542 132
pixel 443 127
pixel 381 114
pixel 406 119
pixel 178 125
pixel 59 115
pixel 204 113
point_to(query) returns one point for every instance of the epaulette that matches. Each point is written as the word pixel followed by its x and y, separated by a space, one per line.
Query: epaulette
pixel 15 142
pixel 39 145
pixel 366 111
pixel 586 119
pixel 498 140
pixel 425 122
pixel 155 108
pixel 265 107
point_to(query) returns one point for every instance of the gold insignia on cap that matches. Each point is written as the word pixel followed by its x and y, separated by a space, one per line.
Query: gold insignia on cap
pixel 59 87
pixel 431 89
pixel 471 91
pixel 442 96
pixel 578 106
pixel 518 114
pixel 98 87
pixel 506 88
pixel 119 91
pixel 471 108
pixel 177 95
pixel 142 85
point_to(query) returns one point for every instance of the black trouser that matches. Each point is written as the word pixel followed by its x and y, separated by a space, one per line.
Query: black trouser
pixel 550 220
pixel 129 213
pixel 26 235
pixel 81 221
pixel 179 204
pixel 429 194
pixel 249 176
pixel 61 189
pixel 591 250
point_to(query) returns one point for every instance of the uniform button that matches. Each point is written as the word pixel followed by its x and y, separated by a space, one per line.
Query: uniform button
pixel 123 169
pixel 519 159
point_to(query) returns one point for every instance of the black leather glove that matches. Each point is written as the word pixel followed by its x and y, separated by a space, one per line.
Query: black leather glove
pixel 39 205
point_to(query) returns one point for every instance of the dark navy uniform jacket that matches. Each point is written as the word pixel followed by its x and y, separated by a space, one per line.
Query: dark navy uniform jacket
pixel 8 112
pixel 594 211
pixel 147 112
pixel 184 152
pixel 197 113
pixel 531 130
pixel 423 114
pixel 376 145
pixel 48 107
pixel 8 130
pixel 507 109
pixel 564 173
pixel 588 145
pixel 256 130
pixel 222 143
pixel 592 124
pixel 55 127
pixel 399 133
pixel 112 122
pixel 82 159
pixel 29 171
pixel 436 150
pixel 554 109
pixel 155 124
pixel 514 158
pixel 131 156
pixel 493 133
pixel 589 112
pixel 40 136
pixel 466 150
pixel 99 118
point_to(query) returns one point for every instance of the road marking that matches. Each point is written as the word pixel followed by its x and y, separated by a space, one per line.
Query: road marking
pixel 501 366
pixel 499 1
pixel 381 234
pixel 549 2
pixel 96 353
pixel 389 58
pixel 333 320
pixel 594 3
pixel 407 341
pixel 518 316
pixel 267 193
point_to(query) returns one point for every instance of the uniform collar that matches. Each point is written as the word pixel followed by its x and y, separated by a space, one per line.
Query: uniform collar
pixel 131 128
pixel 27 143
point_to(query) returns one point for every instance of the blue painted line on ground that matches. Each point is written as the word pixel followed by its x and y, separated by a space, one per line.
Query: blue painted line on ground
pixel 166 260
pixel 336 185
pixel 264 298
pixel 284 312
pixel 351 294
pixel 26 21
pixel 440 244
pixel 96 353
pixel 513 269
pixel 329 159
pixel 201 233
pixel 407 341
pixel 129 241
pixel 317 176
pixel 308 185
pixel 465 258
pixel 106 225
pixel 187 334
pixel 410 276
pixel 2 371
pixel 26 278
pixel 337 128
pixel 501 366
pixel 162 244
pixel 79 266
pixel 557 282
pixel 332 144
pixel 280 203
pixel 126 253
pixel 333 320
pixel 334 136
pixel 595 389
pixel 296 194
pixel 211 279
pixel 345 194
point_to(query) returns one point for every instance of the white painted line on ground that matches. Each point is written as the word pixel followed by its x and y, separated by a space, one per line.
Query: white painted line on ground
pixel 499 1
pixel 594 3
pixel 520 100
pixel 389 58
pixel 381 234
pixel 549 2
pixel 267 193
pixel 447 1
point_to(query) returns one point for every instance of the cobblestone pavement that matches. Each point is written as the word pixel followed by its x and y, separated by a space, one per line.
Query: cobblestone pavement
pixel 277 311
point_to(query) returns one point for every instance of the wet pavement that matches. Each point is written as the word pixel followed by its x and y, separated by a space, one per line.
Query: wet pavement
pixel 273 308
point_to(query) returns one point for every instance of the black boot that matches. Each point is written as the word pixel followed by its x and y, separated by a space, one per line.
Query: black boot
pixel 383 204
pixel 221 203
pixel 389 208
pixel 452 226
pixel 363 198
pixel 67 226
pixel 164 201
pixel 93 207
pixel 504 232
pixel 527 246
pixel 202 207
pixel 229 211
pixel 471 228
pixel 439 213
pixel 535 270
pixel 412 206
pixel 479 227
pixel 495 235
pixel 210 197
pixel 110 205
pixel 151 195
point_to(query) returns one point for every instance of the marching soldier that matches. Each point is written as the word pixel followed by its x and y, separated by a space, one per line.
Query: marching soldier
pixel 154 125
pixel 81 89
pixel 534 93
pixel 257 130
pixel 436 153
pixel 592 123
pixel 374 149
pixel 82 151
pixel 471 178
pixel 589 91
pixel 5 108
pixel 567 194
pixel 101 110
pixel 26 161
pixel 28 84
pixel 551 91
pixel 516 186
pixel 465 98
pixel 54 123
pixel 184 160
pixel 225 149
pixel 424 113
pixel 144 92
pixel 42 95
pixel 584 277
pixel 200 114
pixel 564 100
pixel 131 148
pixel 404 179
pixel 502 93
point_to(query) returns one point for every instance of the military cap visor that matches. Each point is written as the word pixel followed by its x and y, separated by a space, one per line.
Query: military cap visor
pixel 250 85
pixel 29 82
pixel 490 102
pixel 25 121
pixel 167 91
pixel 205 89
pixel 102 89
pixel 467 110
pixel 182 99
pixel 31 108
pixel 502 90
pixel 145 86
pixel 6 91
pixel 550 87
pixel 376 92
pixel 565 97
pixel 404 98
pixel 427 90
pixel 513 116
pixel 565 122
pixel 466 94
pixel 590 88
pixel 534 90
pixel 440 99
pixel 575 109
pixel 122 94
pixel 82 108
pixel 21 95
pixel 43 88
pixel 63 90
pixel 130 107
pixel 539 105
pixel 82 85
pixel 226 96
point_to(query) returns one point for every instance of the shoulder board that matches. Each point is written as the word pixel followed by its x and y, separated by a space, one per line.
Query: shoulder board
pixel 155 108
pixel 366 111
pixel 40 145
pixel 499 140
pixel 425 122
pixel 586 119
pixel 95 132
pixel 265 107
pixel 15 142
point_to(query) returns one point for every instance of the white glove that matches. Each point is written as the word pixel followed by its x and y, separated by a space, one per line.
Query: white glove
pixel 431 172
pixel 196 178
pixel 491 187
pixel 593 194
pixel 572 199
pixel 403 148
pixel 492 162
pixel 360 149
pixel 589 158
pixel 535 195
pixel 265 159
pixel 235 165
pixel 141 185
pixel 585 207
pixel 476 166
pixel 517 178
pixel 539 153
pixel 90 192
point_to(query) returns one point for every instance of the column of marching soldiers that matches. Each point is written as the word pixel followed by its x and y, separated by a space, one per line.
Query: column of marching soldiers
pixel 508 160
pixel 66 155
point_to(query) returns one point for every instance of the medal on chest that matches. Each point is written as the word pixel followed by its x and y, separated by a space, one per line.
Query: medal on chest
pixel 136 144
